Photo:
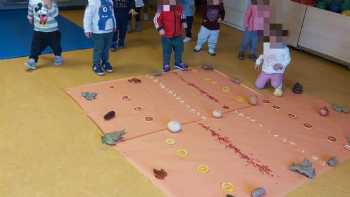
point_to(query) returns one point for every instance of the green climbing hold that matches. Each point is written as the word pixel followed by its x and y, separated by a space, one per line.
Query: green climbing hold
pixel 112 138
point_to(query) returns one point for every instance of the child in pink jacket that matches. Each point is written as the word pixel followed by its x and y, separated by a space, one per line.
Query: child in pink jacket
pixel 256 19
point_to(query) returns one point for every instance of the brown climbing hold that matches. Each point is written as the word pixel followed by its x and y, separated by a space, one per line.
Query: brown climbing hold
pixel 134 80
pixel 148 118
pixel 109 115
pixel 160 174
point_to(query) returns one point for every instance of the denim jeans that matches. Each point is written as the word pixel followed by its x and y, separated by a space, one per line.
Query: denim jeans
pixel 102 43
pixel 205 35
pixel 249 42
pixel 170 44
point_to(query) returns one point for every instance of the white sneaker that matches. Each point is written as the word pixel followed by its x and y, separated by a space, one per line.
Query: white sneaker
pixel 187 39
pixel 278 92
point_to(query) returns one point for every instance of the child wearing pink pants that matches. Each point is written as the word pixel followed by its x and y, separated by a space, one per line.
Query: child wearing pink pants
pixel 274 60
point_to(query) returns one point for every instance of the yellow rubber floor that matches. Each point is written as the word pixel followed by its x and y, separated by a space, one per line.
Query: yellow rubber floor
pixel 50 148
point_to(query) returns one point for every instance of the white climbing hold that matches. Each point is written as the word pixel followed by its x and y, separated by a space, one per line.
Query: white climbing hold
pixel 217 114
pixel 174 126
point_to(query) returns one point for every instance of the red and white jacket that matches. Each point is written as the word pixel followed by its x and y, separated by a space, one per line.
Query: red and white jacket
pixel 171 19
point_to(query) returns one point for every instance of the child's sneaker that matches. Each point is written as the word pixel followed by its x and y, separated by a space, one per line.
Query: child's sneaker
pixel 241 55
pixel 181 66
pixel 166 68
pixel 58 61
pixel 107 67
pixel 31 64
pixel 253 57
pixel 98 69
pixel 197 49
pixel 211 52
pixel 278 92
pixel 187 39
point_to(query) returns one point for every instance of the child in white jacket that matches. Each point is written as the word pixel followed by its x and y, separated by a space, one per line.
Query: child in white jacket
pixel 99 24
pixel 274 60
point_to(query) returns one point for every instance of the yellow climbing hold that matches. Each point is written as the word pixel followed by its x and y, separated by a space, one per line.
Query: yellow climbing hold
pixel 227 187
pixel 170 141
pixel 182 153
pixel 207 79
pixel 240 99
pixel 203 169
pixel 226 89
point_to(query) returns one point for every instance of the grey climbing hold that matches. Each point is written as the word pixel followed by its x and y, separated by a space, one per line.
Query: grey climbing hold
pixel 207 67
pixel 340 109
pixel 332 162
pixel 258 192
pixel 112 138
pixel 304 168
pixel 236 80
pixel 89 96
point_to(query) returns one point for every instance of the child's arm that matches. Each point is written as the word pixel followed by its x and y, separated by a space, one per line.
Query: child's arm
pixel 259 62
pixel 88 18
pixel 158 22
pixel 183 20
pixel 222 12
pixel 53 10
pixel 30 16
pixel 114 19
pixel 247 15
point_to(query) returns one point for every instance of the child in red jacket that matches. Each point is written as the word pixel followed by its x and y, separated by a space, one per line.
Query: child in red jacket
pixel 169 22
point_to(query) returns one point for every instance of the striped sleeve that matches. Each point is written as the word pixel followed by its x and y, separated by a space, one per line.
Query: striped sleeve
pixel 30 10
pixel 157 20
pixel 53 12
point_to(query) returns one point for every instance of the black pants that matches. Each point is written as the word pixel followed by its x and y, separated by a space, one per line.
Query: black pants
pixel 189 21
pixel 41 40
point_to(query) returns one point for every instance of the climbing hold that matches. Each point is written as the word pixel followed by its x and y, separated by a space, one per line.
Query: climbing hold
pixel 89 96
pixel 217 114
pixel 170 141
pixel 110 115
pixel 332 162
pixel 298 88
pixel 304 168
pixel 182 153
pixel 148 118
pixel 253 100
pixel 332 139
pixel 160 174
pixel 324 111
pixel 203 169
pixel 236 80
pixel 207 67
pixel 226 89
pixel 258 192
pixel 174 126
pixel 227 187
pixel 113 137
pixel 340 109
pixel 134 80
pixel 157 74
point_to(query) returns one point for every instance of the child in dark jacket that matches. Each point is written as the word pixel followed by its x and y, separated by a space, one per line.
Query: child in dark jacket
pixel 213 14
pixel 122 9
pixel 169 22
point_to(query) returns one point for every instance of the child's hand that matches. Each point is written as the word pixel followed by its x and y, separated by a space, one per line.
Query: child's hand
pixel 133 12
pixel 31 21
pixel 162 32
pixel 219 20
pixel 257 66
pixel 88 34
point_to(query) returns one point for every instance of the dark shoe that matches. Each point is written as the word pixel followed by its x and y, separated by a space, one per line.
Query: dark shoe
pixel 98 69
pixel 241 55
pixel 107 67
pixel 166 68
pixel 181 66
pixel 253 57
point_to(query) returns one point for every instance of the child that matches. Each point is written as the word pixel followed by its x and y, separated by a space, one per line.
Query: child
pixel 274 60
pixel 256 18
pixel 169 22
pixel 43 13
pixel 188 6
pixel 99 24
pixel 213 14
pixel 122 9
pixel 138 8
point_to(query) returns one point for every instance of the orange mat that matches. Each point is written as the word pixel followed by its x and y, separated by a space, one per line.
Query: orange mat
pixel 251 146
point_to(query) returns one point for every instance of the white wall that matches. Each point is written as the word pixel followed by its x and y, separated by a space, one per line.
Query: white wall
pixel 235 12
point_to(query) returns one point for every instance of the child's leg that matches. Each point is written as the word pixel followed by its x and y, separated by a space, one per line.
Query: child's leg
pixel 167 48
pixel 262 79
pixel 213 40
pixel 178 48
pixel 277 80
pixel 122 29
pixel 107 38
pixel 203 36
pixel 54 41
pixel 254 42
pixel 245 42
pixel 39 43
pixel 189 21
pixel 138 26
pixel 98 42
